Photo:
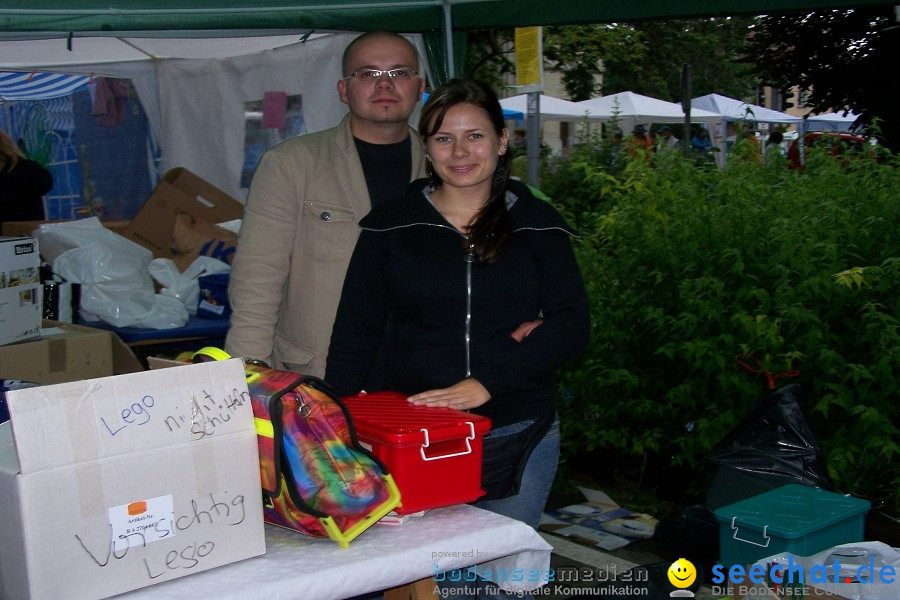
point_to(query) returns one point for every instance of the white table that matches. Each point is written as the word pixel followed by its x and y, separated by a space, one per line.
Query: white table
pixel 298 567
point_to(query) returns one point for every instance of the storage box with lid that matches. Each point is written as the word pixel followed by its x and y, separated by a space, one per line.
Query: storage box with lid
pixel 434 454
pixel 797 519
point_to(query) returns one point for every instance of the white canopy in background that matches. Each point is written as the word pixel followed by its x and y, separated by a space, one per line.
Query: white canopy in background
pixel 194 89
pixel 738 110
pixel 550 108
pixel 631 109
pixel 835 121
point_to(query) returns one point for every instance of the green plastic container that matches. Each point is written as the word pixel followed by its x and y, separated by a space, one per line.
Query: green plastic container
pixel 795 519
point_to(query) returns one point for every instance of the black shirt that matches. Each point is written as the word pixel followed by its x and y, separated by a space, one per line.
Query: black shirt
pixel 21 191
pixel 387 168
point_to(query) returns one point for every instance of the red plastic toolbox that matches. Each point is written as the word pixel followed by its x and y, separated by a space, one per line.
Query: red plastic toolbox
pixel 434 454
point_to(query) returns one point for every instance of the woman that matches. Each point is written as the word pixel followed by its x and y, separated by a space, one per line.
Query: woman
pixel 23 184
pixel 466 294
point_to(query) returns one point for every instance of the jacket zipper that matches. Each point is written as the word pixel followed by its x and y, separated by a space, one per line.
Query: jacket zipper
pixel 469 258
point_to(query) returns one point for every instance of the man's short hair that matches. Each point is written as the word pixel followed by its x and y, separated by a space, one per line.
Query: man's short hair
pixel 375 34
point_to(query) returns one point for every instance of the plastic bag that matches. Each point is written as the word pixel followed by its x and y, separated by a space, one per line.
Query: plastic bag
pixel 113 272
pixel 772 446
pixel 185 286
pixel 867 571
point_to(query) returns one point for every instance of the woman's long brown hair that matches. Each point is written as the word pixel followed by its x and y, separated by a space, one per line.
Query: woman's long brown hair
pixel 10 153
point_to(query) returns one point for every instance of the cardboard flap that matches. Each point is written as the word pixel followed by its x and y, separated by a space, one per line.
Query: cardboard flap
pixel 81 421
pixel 179 191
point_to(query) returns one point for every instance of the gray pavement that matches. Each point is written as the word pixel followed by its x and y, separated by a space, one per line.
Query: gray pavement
pixel 588 570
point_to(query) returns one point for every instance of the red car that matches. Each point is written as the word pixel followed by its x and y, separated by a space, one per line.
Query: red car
pixel 841 144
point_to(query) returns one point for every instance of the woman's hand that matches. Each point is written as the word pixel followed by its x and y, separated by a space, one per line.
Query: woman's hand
pixel 524 329
pixel 464 395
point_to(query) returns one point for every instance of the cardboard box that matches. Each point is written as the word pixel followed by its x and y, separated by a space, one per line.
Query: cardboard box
pixel 20 289
pixel 66 352
pixel 26 228
pixel 113 484
pixel 179 191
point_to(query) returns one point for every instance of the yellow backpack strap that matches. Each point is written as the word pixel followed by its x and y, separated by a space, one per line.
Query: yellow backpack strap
pixel 209 353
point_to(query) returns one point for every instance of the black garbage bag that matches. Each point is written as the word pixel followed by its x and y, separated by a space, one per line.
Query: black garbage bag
pixel 771 447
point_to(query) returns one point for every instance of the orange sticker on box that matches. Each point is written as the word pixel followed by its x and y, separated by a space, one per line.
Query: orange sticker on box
pixel 137 508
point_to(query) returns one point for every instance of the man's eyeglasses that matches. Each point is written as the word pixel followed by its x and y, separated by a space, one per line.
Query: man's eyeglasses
pixel 375 74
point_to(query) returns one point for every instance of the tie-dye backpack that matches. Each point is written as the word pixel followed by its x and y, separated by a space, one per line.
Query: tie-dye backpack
pixel 316 478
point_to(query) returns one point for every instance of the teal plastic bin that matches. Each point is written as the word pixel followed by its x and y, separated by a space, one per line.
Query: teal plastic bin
pixel 795 519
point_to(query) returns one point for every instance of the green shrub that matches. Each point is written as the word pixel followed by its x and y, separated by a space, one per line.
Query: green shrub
pixel 688 266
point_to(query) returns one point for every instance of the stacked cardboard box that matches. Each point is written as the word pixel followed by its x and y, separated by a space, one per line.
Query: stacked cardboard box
pixel 20 289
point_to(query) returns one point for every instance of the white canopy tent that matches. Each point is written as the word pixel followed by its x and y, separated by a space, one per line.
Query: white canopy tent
pixel 550 108
pixel 630 109
pixel 834 121
pixel 738 110
pixel 194 90
pixel 734 110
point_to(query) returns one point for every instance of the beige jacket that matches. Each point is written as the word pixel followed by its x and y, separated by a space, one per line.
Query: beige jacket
pixel 298 232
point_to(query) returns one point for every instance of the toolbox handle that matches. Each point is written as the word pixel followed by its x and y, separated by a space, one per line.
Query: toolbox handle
pixel 468 441
pixel 764 532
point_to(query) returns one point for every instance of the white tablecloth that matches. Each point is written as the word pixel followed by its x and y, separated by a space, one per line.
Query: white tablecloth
pixel 297 567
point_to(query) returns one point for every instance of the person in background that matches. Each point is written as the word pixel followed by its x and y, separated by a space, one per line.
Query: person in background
pixel 23 183
pixel 473 287
pixel 666 140
pixel 519 144
pixel 306 199
pixel 700 142
pixel 773 148
pixel 640 142
pixel 747 146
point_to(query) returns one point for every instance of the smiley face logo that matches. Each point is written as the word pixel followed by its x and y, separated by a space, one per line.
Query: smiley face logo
pixel 682 573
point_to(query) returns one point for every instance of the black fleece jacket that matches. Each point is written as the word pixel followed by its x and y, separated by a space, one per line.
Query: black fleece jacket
pixel 410 286
pixel 21 191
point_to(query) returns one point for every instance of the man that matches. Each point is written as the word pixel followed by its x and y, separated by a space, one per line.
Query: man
pixel 666 141
pixel 306 198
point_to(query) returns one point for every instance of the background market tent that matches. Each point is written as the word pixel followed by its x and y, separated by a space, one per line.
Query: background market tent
pixel 630 109
pixel 834 121
pixel 737 111
pixel 549 108
pixel 38 86
pixel 507 113
pixel 36 110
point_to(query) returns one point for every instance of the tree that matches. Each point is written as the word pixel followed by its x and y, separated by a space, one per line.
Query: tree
pixel 643 57
pixel 646 57
pixel 843 59
pixel 490 54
